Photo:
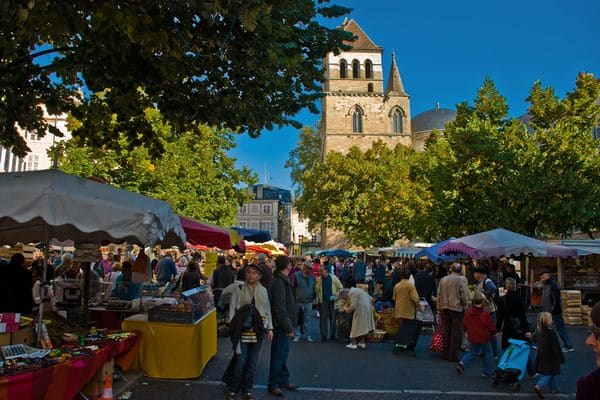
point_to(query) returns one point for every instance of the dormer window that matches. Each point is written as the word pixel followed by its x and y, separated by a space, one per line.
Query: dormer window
pixel 368 69
pixel 343 69
pixel 355 69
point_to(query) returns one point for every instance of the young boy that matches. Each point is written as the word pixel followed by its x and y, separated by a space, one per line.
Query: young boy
pixel 479 327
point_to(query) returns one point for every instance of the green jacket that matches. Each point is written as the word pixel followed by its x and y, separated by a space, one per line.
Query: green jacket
pixel 336 287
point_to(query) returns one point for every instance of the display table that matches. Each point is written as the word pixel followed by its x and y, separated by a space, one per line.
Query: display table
pixel 65 380
pixel 175 351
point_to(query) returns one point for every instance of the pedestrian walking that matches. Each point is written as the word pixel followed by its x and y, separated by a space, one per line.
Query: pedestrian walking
pixel 304 284
pixel 549 355
pixel 250 321
pixel 588 387
pixel 327 289
pixel 479 325
pixel 552 303
pixel 453 300
pixel 489 290
pixel 284 309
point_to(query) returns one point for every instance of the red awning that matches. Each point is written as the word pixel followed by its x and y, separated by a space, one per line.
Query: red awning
pixel 202 233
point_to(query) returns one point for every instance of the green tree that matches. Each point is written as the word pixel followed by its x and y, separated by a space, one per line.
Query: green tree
pixel 565 184
pixel 243 65
pixel 304 157
pixel 367 195
pixel 194 173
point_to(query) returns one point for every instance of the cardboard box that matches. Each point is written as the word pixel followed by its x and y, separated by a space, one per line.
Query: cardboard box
pixel 5 339
pixel 24 336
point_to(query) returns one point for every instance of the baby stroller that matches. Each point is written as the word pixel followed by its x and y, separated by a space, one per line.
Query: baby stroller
pixel 513 364
pixel 425 315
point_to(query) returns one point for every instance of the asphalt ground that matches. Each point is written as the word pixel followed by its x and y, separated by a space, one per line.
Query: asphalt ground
pixel 328 370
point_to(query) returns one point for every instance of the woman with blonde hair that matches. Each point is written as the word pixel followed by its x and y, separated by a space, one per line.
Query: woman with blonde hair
pixel 549 356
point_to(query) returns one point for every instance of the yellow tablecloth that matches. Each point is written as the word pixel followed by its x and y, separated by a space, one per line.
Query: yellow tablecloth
pixel 175 351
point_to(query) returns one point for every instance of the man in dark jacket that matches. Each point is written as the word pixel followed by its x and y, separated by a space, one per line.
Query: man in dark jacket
pixel 588 387
pixel 552 303
pixel 425 284
pixel 284 313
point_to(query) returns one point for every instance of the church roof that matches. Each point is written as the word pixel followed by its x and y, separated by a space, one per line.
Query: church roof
pixel 362 42
pixel 429 120
pixel 394 83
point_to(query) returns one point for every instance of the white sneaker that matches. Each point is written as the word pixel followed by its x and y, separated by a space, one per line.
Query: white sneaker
pixel 362 345
pixel 308 339
pixel 352 346
pixel 296 339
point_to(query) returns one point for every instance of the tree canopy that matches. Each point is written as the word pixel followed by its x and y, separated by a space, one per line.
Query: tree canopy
pixel 486 170
pixel 194 173
pixel 241 65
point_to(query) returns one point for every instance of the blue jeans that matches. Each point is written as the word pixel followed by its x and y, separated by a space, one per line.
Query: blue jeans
pixel 279 375
pixel 475 351
pixel 245 366
pixel 327 319
pixel 550 381
pixel 493 338
pixel 306 309
pixel 559 323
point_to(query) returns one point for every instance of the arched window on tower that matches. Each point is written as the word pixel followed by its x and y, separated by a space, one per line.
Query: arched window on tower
pixel 370 88
pixel 355 69
pixel 397 121
pixel 357 126
pixel 343 69
pixel 368 69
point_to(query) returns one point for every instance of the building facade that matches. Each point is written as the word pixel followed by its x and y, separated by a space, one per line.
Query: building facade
pixel 270 210
pixel 303 239
pixel 37 158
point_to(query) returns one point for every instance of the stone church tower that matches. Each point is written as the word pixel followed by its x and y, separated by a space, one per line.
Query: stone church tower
pixel 356 110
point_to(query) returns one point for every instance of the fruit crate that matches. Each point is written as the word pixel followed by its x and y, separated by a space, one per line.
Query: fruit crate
pixel 165 313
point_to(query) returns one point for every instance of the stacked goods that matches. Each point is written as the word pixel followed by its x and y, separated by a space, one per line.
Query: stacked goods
pixel 10 322
pixel 571 302
pixel 585 314
pixel 28 252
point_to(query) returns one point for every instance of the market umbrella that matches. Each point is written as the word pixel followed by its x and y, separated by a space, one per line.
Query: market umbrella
pixel 207 234
pixel 501 242
pixel 37 206
pixel 432 252
pixel 253 235
pixel 335 252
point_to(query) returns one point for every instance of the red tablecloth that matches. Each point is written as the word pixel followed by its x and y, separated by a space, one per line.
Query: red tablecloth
pixel 65 380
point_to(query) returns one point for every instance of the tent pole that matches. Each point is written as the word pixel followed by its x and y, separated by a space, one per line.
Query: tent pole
pixel 43 283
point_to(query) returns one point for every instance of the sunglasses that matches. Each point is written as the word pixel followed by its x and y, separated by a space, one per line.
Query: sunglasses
pixel 595 331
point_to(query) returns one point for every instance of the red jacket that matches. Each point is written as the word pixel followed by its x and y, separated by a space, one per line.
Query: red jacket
pixel 479 325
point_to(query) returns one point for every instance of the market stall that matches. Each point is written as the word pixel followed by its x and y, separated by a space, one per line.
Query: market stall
pixel 55 205
pixel 175 351
pixel 180 336
pixel 76 361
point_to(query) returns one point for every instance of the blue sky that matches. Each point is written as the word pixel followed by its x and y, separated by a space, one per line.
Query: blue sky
pixel 445 49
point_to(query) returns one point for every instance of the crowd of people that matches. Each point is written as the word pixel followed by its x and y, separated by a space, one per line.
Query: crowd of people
pixel 476 321
pixel 278 300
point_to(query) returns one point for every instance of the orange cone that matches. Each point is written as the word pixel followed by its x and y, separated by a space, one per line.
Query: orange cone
pixel 107 392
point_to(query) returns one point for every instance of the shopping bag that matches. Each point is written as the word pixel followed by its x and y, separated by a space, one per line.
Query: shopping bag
pixel 437 340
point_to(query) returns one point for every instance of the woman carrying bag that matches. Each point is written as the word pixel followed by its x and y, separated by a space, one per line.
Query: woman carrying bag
pixel 512 316
pixel 250 315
